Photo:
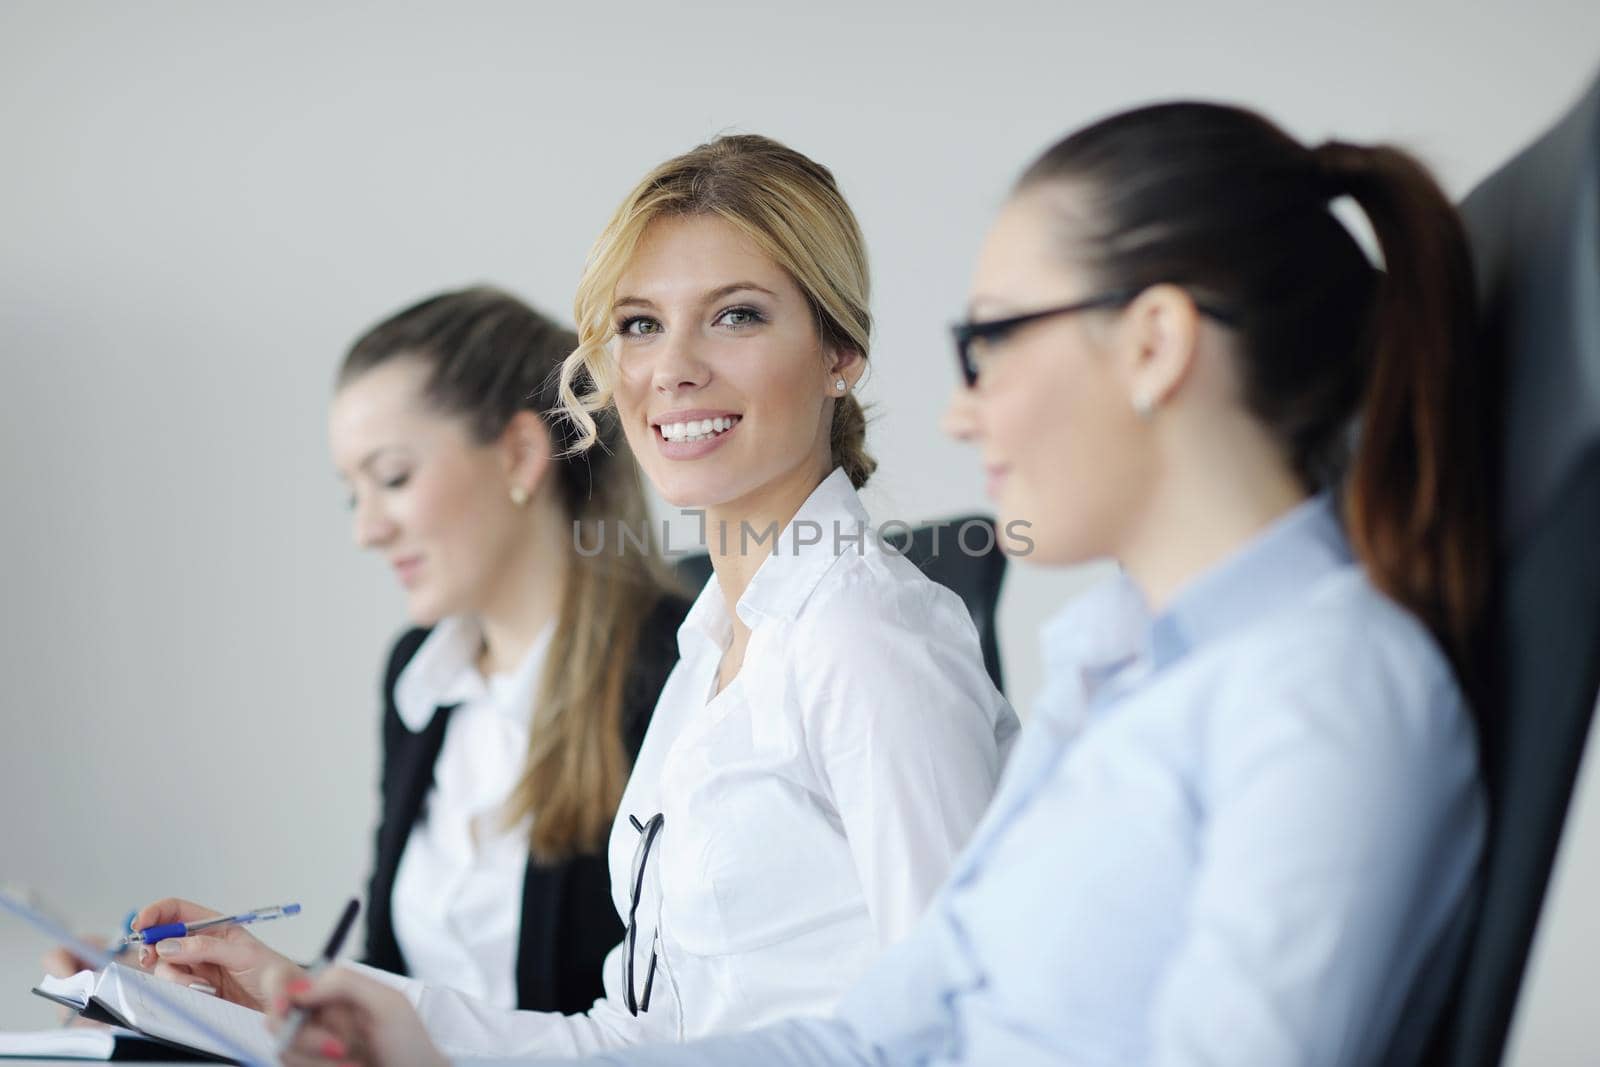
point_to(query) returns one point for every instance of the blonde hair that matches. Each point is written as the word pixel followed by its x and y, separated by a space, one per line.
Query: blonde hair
pixel 784 202
pixel 577 763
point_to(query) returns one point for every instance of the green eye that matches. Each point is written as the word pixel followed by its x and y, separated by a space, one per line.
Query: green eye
pixel 639 326
pixel 738 317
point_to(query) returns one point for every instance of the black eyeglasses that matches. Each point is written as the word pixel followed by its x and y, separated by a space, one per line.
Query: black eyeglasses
pixel 971 337
pixel 648 831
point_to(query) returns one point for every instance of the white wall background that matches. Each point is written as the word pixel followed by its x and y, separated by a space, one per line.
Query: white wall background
pixel 201 204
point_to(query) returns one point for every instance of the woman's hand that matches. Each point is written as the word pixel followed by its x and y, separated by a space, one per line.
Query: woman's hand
pixel 228 959
pixel 59 963
pixel 350 1019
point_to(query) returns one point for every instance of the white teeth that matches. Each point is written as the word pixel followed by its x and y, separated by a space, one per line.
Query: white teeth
pixel 696 430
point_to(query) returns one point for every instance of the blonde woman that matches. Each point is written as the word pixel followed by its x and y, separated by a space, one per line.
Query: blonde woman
pixel 829 737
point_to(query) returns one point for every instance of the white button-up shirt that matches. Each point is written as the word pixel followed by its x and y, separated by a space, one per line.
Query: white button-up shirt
pixel 811 807
pixel 1241 832
pixel 457 901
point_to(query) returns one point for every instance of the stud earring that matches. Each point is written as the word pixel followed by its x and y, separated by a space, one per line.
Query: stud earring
pixel 519 495
pixel 1143 405
pixel 841 385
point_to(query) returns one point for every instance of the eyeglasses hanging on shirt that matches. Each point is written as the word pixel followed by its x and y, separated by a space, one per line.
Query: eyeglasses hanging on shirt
pixel 648 831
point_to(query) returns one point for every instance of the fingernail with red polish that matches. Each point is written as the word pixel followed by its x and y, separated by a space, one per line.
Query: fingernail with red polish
pixel 333 1048
pixel 299 985
pixel 280 1005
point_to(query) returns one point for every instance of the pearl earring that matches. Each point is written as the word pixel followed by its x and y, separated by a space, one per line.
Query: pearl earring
pixel 1143 405
pixel 519 495
pixel 841 385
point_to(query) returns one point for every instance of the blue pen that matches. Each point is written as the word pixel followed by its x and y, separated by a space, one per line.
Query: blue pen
pixel 151 934
pixel 120 946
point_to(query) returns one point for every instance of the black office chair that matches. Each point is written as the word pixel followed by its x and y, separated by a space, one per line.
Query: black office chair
pixel 1535 230
pixel 947 551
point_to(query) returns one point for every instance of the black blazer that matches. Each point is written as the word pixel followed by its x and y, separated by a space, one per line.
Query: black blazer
pixel 568 921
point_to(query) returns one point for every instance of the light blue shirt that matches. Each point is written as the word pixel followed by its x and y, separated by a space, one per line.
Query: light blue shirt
pixel 1238 833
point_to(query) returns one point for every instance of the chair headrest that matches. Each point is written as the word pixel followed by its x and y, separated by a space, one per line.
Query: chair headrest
pixel 1535 230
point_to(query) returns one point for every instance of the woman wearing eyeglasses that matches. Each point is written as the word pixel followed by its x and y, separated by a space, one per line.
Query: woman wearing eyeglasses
pixel 829 736
pixel 1244 821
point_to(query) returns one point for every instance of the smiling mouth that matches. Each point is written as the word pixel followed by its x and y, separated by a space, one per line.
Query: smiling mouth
pixel 697 429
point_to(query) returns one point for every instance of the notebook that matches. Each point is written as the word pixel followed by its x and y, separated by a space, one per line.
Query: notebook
pixel 174 1016
pixel 101 1043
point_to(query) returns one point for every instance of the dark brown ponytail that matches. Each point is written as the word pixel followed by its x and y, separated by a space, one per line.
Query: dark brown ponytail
pixel 1417 499
pixel 1220 201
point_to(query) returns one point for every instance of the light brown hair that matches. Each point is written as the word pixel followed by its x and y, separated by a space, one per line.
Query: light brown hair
pixel 492 356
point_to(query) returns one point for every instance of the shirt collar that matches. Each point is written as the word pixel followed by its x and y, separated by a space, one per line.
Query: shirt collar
pixel 822 530
pixel 706 620
pixel 1098 631
pixel 444 671
pixel 1266 572
pixel 1110 627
